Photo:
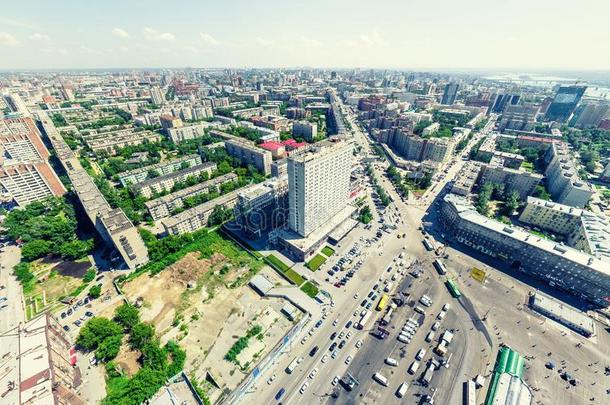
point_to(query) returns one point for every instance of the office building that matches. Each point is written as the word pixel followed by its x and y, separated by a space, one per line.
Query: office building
pixel 562 179
pixel 140 174
pixel 304 129
pixel 319 184
pixel 502 100
pixel 450 93
pixel 520 117
pixel 164 183
pixel 249 154
pixel 589 114
pixel 564 103
pixel 156 95
pixel 520 181
pixel 569 269
pixel 39 364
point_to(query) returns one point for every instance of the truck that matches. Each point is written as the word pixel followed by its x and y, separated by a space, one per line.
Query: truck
pixel 441 349
pixel 391 362
pixel 363 320
pixel 404 339
pixel 427 377
pixel 293 364
pixel 428 245
pixel 447 337
pixel 440 267
pixel 414 366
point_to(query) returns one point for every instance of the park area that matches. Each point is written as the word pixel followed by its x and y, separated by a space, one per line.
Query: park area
pixel 202 302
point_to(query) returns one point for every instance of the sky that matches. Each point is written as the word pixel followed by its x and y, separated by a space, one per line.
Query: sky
pixel 517 35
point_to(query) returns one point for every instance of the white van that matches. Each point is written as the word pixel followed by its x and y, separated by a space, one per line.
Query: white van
pixel 441 315
pixel 402 390
pixel 420 354
pixel 388 287
pixel 430 336
pixel 380 379
pixel 420 310
pixel 391 362
pixel 414 367
pixel 404 339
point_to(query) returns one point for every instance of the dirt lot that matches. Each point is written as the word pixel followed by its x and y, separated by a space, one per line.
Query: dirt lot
pixel 191 302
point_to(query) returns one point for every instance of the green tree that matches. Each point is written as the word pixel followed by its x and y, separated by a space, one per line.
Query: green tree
pixel 35 249
pixel 75 249
pixel 95 331
pixel 108 348
pixel 89 276
pixel 95 291
pixel 512 202
pixel 141 334
pixel 127 315
pixel 153 356
pixel 219 215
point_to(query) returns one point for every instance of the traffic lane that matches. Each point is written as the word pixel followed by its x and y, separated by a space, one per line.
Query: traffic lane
pixel 11 307
pixel 371 266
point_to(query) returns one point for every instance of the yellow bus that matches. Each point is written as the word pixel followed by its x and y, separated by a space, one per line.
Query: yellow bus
pixel 383 301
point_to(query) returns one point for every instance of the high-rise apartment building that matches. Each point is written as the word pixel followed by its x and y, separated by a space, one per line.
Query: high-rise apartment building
pixel 589 114
pixel 156 95
pixel 319 184
pixel 564 103
pixel 501 101
pixel 450 94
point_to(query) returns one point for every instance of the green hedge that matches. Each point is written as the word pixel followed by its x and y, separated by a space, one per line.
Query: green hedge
pixel 315 263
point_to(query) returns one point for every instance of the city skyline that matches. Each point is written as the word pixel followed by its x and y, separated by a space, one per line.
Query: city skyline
pixel 478 35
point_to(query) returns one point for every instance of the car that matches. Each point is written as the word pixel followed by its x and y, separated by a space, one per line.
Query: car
pixel 349 335
pixel 335 322
pixel 69 311
pixel 356 312
pixel 2 299
pixel 441 315
pixel 332 346
pixel 313 351
pixel 270 380
pixel 420 310
pixel 342 344
pixel 319 323
pixel 86 300
pixel 436 325
pixel 550 365
pixel 279 394
pixel 335 381
pixel 304 387
pixel 334 354
pixel 77 322
pixel 446 307
pixel 375 287
pixel 359 344
pixel 348 359
pixel 370 294
pixel 348 324
pixel 63 315
pixel 341 335
pixel 324 358
pixel 333 335
pixel 304 339
pixel 356 296
pixel 369 305
pixel 300 360
pixel 66 328
pixel 374 297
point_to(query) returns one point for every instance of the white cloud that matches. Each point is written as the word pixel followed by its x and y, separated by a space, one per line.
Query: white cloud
pixel 154 35
pixel 373 38
pixel 263 41
pixel 208 39
pixel 7 39
pixel 59 51
pixel 119 32
pixel 39 37
pixel 314 43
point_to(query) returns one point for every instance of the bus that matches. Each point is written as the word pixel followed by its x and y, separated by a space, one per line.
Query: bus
pixel 402 390
pixel 427 377
pixel 363 320
pixel 293 364
pixel 471 395
pixel 453 289
pixel 428 245
pixel 380 379
pixel 383 301
pixel 440 267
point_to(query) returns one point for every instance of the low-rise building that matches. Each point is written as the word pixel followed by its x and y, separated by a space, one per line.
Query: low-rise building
pixel 262 208
pixel 110 141
pixel 184 133
pixel 164 206
pixel 166 182
pixel 138 175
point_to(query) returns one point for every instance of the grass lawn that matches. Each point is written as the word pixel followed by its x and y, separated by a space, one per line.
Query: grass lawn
pixel 527 166
pixel 328 251
pixel 295 277
pixel 281 267
pixel 315 263
pixel 310 289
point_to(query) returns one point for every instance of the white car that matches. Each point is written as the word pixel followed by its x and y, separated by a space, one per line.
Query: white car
pixel 304 387
pixel 335 381
pixel 334 354
pixel 348 359
pixel 313 373
pixel 335 322
pixel 270 380
pixel 359 344
pixel 356 312
pixel 446 307
pixel 324 358
pixel 304 339
pixel 349 335
pixel 299 360
pixel 436 325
